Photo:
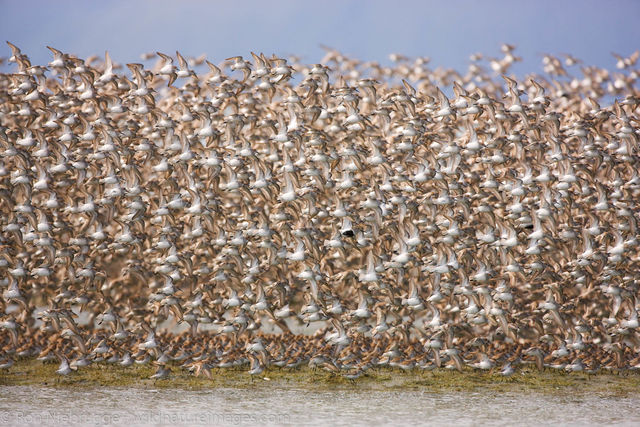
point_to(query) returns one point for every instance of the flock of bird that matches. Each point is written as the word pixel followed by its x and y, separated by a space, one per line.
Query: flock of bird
pixel 344 215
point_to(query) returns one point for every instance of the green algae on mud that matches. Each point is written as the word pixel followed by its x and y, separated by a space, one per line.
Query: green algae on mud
pixel 33 372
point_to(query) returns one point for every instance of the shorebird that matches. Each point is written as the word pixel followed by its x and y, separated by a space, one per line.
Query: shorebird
pixel 162 372
pixel 342 214
pixel 64 368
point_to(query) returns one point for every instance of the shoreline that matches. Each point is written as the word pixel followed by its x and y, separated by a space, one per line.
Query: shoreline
pixel 32 372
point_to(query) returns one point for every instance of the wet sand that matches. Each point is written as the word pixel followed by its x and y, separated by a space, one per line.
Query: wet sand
pixel 270 403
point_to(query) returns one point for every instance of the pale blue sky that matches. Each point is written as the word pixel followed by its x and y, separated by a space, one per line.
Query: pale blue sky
pixel 447 31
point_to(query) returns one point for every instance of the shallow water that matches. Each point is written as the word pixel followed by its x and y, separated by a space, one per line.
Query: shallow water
pixel 28 405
